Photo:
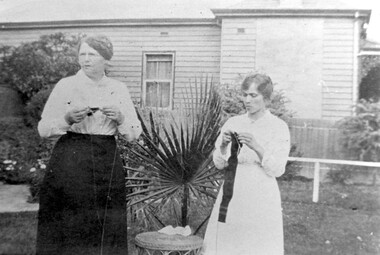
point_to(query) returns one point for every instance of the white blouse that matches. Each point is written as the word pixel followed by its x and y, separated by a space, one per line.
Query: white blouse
pixel 81 91
pixel 270 132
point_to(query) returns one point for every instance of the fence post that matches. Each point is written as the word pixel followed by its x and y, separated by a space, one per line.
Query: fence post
pixel 316 182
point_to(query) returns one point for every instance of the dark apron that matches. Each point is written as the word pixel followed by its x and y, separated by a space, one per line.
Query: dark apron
pixel 82 208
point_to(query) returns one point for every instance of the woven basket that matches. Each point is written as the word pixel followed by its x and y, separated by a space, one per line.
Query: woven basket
pixel 160 241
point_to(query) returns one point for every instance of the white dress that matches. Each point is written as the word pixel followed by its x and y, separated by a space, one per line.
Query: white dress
pixel 254 218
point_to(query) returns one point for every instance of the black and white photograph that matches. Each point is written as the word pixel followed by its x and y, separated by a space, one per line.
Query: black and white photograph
pixel 190 127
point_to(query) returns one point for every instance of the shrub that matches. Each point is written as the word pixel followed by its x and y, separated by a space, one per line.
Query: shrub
pixel 36 175
pixel 368 62
pixel 22 149
pixel 232 103
pixel 360 134
pixel 36 105
pixel 10 172
pixel 342 175
pixel 370 85
pixel 35 65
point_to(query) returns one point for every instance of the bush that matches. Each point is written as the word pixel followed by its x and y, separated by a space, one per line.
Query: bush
pixel 360 134
pixel 36 175
pixel 370 85
pixel 232 103
pixel 35 65
pixel 10 172
pixel 36 105
pixel 368 62
pixel 342 175
pixel 23 154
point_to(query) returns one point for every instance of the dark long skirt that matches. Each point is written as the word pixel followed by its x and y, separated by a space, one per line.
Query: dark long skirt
pixel 82 198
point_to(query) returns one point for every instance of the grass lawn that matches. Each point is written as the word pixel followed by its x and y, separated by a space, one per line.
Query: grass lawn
pixel 345 221
pixel 18 233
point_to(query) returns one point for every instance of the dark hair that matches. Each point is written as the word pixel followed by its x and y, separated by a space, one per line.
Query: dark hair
pixel 263 82
pixel 102 44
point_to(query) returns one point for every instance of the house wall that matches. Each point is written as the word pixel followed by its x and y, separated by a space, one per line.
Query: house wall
pixel 290 51
pixel 238 49
pixel 311 59
pixel 338 68
pixel 197 50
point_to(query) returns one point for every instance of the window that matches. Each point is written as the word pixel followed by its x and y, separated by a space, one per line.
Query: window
pixel 158 79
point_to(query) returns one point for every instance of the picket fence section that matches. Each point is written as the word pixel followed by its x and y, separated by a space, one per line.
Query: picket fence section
pixel 318 142
pixel 316 138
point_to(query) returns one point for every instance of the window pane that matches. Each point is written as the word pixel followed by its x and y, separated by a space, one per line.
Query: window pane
pixel 151 70
pixel 158 94
pixel 164 94
pixel 164 70
pixel 150 58
pixel 151 93
pixel 159 66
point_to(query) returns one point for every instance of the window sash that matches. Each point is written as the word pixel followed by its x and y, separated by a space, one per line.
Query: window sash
pixel 158 80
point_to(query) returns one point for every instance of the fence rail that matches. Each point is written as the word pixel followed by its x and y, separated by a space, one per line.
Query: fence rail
pixel 317 168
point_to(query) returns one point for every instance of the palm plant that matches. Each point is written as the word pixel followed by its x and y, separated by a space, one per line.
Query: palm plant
pixel 172 165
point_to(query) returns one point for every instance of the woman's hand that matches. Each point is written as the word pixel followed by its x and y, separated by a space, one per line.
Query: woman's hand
pixel 226 139
pixel 113 112
pixel 76 115
pixel 249 140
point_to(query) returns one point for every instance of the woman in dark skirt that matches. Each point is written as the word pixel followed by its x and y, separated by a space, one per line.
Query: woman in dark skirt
pixel 82 198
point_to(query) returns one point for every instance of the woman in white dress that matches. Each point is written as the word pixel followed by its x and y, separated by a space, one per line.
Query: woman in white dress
pixel 253 222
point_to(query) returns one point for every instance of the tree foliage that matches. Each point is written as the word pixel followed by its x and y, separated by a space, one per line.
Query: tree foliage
pixel 360 134
pixel 368 62
pixel 370 85
pixel 35 65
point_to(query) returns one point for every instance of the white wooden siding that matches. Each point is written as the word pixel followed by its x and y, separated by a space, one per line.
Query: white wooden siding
pixel 337 68
pixel 305 51
pixel 197 50
pixel 237 49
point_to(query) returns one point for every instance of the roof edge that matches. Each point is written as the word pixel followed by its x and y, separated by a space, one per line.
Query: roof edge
pixel 106 23
pixel 222 13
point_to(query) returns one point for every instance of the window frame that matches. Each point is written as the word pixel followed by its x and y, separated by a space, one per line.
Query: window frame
pixel 144 80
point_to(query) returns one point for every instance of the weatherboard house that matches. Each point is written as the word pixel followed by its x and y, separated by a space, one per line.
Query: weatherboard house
pixel 309 47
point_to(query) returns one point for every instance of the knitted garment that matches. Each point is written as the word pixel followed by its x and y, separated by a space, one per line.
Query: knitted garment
pixel 229 178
